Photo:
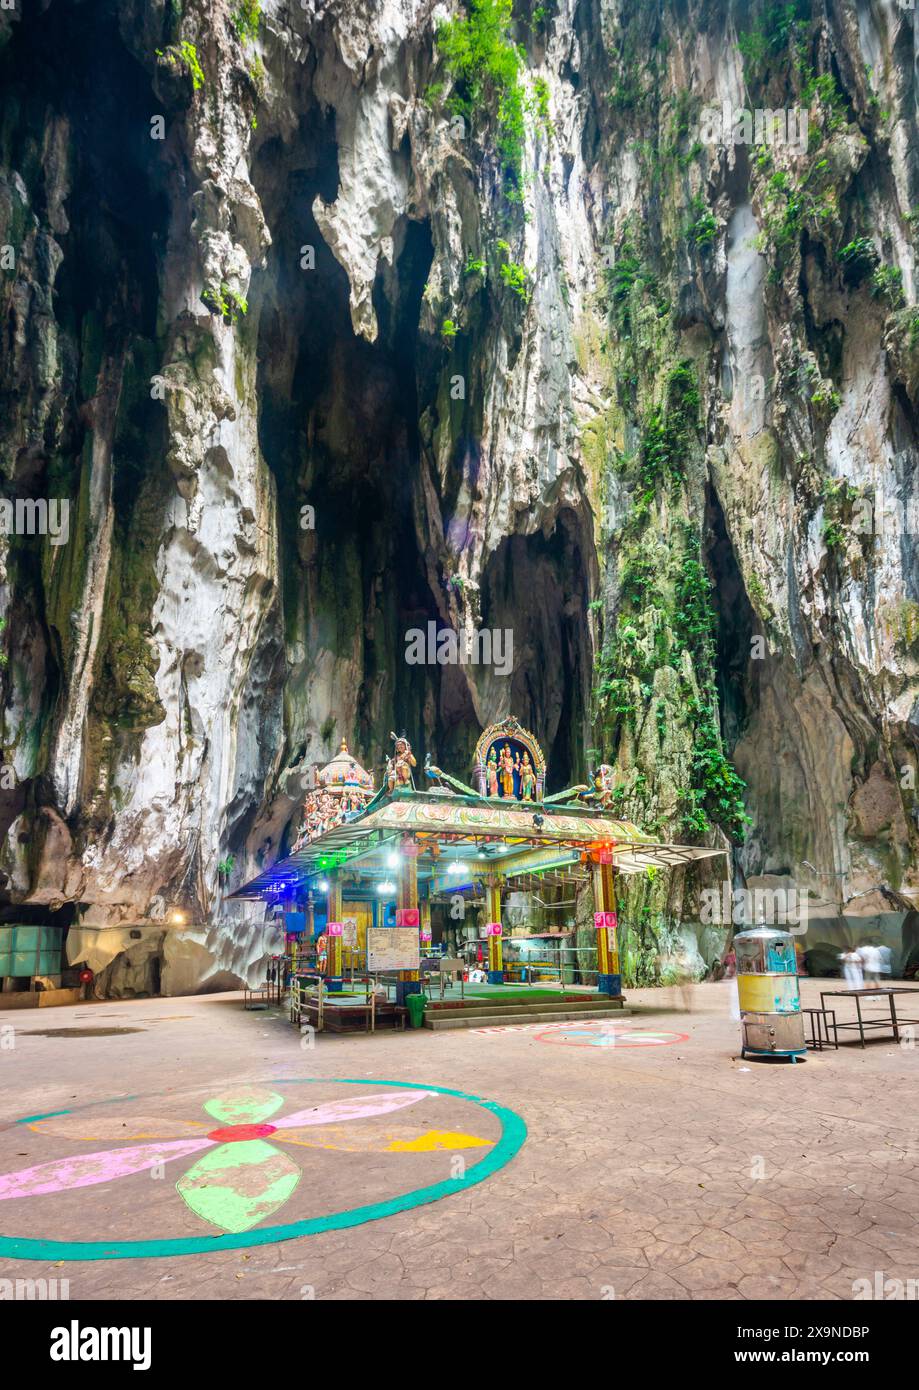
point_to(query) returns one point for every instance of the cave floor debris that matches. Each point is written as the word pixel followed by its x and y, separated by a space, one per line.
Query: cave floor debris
pixel 656 1165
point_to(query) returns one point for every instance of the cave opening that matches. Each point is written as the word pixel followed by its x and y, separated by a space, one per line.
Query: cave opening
pixel 339 430
pixel 71 59
pixel 76 129
pixel 537 587
pixel 736 626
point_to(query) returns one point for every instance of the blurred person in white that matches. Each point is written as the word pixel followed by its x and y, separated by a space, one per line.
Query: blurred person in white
pixel 886 960
pixel 729 961
pixel 870 958
pixel 852 968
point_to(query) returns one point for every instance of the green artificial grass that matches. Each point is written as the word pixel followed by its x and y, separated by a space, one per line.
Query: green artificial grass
pixel 524 995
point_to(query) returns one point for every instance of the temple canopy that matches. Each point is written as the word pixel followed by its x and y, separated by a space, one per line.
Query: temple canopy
pixel 461 838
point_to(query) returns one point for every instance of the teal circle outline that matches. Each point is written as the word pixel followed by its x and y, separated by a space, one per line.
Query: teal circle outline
pixel 513 1135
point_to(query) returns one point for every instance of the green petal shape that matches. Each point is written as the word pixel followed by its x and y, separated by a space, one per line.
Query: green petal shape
pixel 237 1185
pixel 247 1105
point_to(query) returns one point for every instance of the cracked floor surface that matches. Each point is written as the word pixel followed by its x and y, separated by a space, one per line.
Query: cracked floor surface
pixel 667 1171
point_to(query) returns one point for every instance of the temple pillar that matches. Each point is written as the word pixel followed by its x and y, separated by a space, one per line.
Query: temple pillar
pixel 407 911
pixel 609 980
pixel 334 931
pixel 493 930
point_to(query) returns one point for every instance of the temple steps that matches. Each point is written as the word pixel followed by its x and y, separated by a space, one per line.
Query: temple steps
pixel 490 1016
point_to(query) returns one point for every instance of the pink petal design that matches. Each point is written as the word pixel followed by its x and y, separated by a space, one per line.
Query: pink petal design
pixel 85 1170
pixel 355 1108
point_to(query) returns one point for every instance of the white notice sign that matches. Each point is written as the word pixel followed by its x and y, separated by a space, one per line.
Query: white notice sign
pixel 392 948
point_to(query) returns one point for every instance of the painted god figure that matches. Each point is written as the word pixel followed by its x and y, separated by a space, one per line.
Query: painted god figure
pixel 508 767
pixel 399 766
pixel 491 769
pixel 527 779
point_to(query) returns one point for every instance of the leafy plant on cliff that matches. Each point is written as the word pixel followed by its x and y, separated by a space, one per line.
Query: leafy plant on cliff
pixel 703 228
pixel 790 207
pixel 716 789
pixel 185 54
pixel 887 283
pixel 627 280
pixel 668 432
pixel 246 18
pixel 514 276
pixel 259 78
pixel 512 273
pixel 838 496
pixel 225 302
pixel 768 39
pixel 686 623
pixel 486 65
pixel 540 107
pixel 858 258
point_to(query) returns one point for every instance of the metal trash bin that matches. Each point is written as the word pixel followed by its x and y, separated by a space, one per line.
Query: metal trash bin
pixel 771 1021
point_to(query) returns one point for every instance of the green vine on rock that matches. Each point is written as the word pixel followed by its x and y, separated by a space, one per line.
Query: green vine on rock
pixel 225 302
pixel 487 69
pixel 717 790
pixel 486 66
pixel 184 55
pixel 668 432
pixel 246 18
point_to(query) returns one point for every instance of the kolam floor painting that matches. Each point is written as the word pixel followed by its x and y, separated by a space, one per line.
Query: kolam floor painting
pixel 205 1169
pixel 601 1034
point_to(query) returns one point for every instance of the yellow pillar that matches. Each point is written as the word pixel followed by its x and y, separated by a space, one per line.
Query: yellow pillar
pixel 493 930
pixel 407 911
pixel 334 929
pixel 606 922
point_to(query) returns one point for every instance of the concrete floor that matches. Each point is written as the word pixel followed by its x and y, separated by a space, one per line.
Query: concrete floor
pixel 659 1167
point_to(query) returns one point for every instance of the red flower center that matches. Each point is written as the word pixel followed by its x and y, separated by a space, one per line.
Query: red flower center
pixel 236 1134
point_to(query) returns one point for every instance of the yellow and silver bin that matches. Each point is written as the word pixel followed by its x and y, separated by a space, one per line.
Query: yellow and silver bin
pixel 769 994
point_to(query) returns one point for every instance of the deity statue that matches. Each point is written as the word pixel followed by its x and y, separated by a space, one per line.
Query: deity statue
pixel 491 770
pixel 527 779
pixel 508 766
pixel 399 766
pixel 604 786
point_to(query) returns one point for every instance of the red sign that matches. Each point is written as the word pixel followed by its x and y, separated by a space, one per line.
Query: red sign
pixel 408 917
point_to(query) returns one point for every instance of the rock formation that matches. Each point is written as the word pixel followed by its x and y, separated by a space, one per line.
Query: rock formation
pixel 328 323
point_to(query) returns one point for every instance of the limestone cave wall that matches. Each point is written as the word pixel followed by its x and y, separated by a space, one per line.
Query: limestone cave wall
pixel 329 323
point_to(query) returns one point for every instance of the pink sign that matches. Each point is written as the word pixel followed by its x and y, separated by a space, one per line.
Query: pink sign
pixel 493 929
pixel 335 929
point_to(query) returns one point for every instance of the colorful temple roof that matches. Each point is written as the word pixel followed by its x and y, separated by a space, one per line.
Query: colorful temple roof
pixel 344 771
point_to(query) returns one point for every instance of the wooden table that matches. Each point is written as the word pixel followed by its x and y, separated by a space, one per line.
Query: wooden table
pixel 873 992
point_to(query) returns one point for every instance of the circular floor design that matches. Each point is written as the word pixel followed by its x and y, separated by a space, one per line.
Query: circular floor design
pixel 239 1176
pixel 598 1034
